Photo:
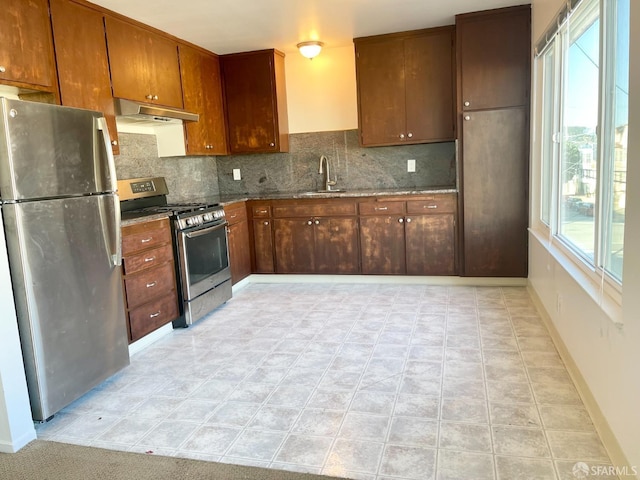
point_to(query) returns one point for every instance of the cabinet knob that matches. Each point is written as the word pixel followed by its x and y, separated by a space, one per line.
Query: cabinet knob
pixel 466 104
pixel 272 144
pixel 266 223
pixel 409 134
pixel 317 222
pixel 467 118
pixel 155 97
pixel 114 143
pixel 402 136
pixel 309 222
pixel 2 69
pixel 401 220
pixel 149 97
pixel 408 220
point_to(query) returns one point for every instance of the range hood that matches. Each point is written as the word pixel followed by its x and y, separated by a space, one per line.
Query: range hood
pixel 145 112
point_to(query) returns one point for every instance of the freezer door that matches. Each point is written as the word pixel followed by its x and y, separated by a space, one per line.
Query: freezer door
pixel 49 151
pixel 68 293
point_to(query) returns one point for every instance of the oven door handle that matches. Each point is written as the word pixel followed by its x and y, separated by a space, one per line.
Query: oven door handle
pixel 204 231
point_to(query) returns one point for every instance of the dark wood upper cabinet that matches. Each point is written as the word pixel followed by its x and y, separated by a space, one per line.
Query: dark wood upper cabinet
pixel 493 113
pixel 83 66
pixel 26 46
pixel 256 102
pixel 494 50
pixel 202 94
pixel 144 64
pixel 405 85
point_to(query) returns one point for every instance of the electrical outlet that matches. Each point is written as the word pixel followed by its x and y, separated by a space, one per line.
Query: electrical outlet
pixel 411 165
pixel 236 174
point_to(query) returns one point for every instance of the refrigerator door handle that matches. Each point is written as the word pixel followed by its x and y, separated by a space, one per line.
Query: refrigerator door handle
pixel 117 256
pixel 104 128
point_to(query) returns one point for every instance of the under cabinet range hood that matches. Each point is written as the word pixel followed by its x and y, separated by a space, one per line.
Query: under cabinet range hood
pixel 145 112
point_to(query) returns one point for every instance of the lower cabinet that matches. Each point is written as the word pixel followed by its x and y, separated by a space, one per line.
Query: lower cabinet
pixel 238 240
pixel 149 277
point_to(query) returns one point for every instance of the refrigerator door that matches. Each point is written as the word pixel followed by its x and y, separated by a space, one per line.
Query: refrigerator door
pixel 68 295
pixel 50 151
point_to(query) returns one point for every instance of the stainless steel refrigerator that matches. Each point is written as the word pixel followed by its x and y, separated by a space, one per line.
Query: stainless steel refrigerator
pixel 62 226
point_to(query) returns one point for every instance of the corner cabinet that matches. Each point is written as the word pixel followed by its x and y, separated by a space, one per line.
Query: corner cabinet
pixel 405 84
pixel 26 46
pixel 256 102
pixel 149 277
pixel 144 64
pixel 493 68
pixel 83 66
pixel 202 94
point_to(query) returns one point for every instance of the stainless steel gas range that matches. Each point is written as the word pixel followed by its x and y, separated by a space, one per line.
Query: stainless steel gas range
pixel 200 244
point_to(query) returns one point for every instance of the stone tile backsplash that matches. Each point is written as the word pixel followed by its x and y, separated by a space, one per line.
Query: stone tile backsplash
pixel 356 168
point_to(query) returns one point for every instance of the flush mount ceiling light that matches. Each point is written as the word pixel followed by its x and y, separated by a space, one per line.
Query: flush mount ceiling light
pixel 310 49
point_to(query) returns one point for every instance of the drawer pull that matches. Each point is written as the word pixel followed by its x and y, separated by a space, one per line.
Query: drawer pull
pixel 261 211
pixel 146 240
pixel 152 284
pixel 154 315
pixel 431 206
pixel 381 208
pixel 233 216
pixel 149 259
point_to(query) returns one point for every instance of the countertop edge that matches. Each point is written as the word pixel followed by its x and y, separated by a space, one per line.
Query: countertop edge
pixel 144 218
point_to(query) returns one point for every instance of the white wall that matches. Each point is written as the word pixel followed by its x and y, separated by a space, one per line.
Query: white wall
pixel 321 93
pixel 607 356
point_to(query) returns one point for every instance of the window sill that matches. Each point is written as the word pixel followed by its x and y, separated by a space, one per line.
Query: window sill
pixel 607 296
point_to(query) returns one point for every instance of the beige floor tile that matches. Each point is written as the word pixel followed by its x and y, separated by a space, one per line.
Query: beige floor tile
pixel 517 441
pixel 519 468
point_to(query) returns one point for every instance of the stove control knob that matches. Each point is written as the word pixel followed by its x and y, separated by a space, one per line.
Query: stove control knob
pixel 208 217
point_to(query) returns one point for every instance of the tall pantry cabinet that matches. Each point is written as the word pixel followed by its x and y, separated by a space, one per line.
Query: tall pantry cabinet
pixel 493 72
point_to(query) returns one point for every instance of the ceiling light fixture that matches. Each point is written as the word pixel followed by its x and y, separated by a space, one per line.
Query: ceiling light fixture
pixel 310 49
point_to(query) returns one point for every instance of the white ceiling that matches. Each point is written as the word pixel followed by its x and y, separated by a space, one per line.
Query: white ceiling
pixel 227 26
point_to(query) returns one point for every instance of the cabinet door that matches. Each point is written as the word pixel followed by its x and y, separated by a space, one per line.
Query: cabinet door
pixel 494 58
pixel 294 245
pixel 250 90
pixel 495 170
pixel 239 253
pixel 429 84
pixel 430 241
pixel 81 55
pixel 144 65
pixel 26 50
pixel 263 245
pixel 336 245
pixel 202 94
pixel 382 245
pixel 381 91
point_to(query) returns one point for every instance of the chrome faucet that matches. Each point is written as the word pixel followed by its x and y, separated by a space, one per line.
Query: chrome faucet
pixel 328 183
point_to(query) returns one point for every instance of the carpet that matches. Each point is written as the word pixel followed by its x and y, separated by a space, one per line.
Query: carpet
pixel 45 460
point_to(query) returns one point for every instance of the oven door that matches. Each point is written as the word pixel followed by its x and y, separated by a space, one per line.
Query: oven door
pixel 204 259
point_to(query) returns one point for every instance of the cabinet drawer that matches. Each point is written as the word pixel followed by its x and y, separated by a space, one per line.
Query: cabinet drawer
pixel 236 213
pixel 148 259
pixel 315 210
pixel 436 204
pixel 382 208
pixel 261 211
pixel 151 316
pixel 148 284
pixel 136 238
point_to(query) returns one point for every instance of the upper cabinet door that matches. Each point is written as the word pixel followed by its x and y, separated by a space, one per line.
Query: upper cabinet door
pixel 429 82
pixel 495 72
pixel 381 91
pixel 255 96
pixel 81 54
pixel 202 94
pixel 144 64
pixel 406 87
pixel 26 49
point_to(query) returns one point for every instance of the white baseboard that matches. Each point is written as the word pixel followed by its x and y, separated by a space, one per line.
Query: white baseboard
pixel 609 440
pixel 147 340
pixel 388 279
pixel 16 445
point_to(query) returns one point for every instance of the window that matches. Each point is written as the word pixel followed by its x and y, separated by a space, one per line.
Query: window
pixel 585 75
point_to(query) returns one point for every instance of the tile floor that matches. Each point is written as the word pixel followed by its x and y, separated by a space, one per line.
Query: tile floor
pixel 360 381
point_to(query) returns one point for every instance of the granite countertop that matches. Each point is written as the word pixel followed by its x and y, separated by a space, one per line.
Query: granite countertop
pixel 229 199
